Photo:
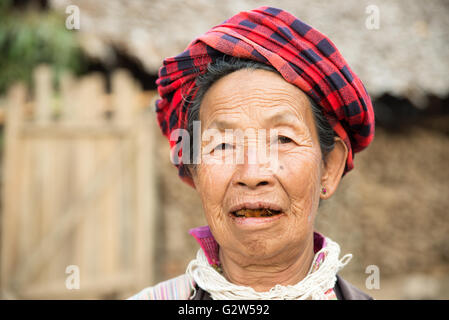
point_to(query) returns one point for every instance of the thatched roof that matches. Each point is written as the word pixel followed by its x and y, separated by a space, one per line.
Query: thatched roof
pixel 406 56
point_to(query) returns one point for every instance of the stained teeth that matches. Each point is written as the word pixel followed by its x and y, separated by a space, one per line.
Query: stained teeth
pixel 254 213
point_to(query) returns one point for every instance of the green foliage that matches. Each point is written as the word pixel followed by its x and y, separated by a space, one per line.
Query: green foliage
pixel 33 37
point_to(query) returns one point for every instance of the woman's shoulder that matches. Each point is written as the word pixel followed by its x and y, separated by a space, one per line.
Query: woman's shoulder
pixel 179 288
pixel 346 291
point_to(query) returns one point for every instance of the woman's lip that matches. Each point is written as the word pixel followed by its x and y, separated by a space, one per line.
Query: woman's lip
pixel 256 205
pixel 248 222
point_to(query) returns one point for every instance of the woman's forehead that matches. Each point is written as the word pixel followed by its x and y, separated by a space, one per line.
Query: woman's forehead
pixel 254 94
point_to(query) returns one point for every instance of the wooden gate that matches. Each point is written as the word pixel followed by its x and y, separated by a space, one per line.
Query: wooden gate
pixel 78 189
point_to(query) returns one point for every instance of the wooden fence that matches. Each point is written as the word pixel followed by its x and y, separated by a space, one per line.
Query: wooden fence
pixel 78 188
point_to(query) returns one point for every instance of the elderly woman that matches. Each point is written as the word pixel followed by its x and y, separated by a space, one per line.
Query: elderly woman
pixel 267 71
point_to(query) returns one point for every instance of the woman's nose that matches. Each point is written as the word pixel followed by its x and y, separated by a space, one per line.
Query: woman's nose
pixel 254 171
pixel 253 176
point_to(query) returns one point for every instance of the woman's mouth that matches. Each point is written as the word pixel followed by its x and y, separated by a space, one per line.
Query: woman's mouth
pixel 251 219
pixel 255 213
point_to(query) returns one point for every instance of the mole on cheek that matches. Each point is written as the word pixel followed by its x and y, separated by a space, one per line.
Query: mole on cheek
pixel 281 167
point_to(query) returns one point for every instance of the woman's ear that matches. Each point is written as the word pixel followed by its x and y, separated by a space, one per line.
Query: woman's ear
pixel 192 174
pixel 334 167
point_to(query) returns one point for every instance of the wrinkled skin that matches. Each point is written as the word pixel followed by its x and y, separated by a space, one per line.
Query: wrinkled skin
pixel 280 251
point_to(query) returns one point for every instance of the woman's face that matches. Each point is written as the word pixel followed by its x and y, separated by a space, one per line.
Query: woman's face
pixel 259 99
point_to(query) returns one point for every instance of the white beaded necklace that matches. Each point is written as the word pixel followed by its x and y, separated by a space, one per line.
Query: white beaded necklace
pixel 314 286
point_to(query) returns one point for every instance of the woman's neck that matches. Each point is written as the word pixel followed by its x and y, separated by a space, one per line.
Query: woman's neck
pixel 287 268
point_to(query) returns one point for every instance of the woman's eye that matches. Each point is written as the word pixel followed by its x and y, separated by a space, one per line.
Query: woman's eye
pixel 283 139
pixel 223 146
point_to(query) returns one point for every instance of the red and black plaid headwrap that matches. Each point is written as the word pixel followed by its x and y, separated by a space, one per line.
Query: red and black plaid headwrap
pixel 301 54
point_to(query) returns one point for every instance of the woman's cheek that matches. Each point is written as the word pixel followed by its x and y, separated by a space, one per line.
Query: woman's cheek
pixel 299 163
pixel 213 180
pixel 299 173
